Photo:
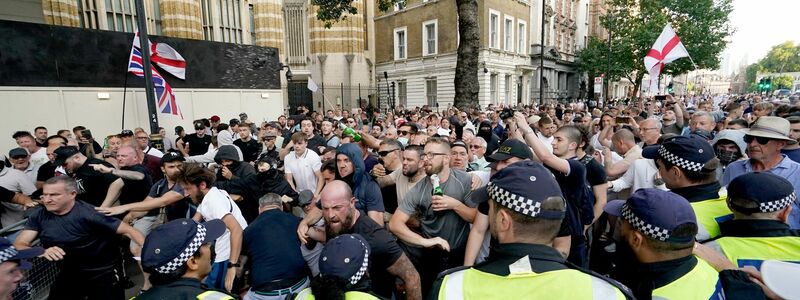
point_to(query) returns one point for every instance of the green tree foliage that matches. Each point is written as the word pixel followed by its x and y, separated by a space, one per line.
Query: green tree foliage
pixel 784 57
pixel 782 82
pixel 702 26
pixel 751 74
pixel 466 74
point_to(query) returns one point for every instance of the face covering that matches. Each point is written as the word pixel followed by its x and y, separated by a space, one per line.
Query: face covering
pixel 403 140
pixel 727 157
pixel 704 134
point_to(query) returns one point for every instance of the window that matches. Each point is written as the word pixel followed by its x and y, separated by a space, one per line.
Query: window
pixel 208 29
pixel 429 32
pixel 230 16
pixel 430 91
pixel 121 16
pixel 400 43
pixel 508 31
pixel 251 13
pixel 400 5
pixel 522 46
pixel 494 20
pixel 294 18
pixel 401 93
pixel 507 90
pixel 493 88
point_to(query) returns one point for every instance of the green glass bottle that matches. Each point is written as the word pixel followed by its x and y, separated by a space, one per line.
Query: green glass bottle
pixel 349 131
pixel 437 189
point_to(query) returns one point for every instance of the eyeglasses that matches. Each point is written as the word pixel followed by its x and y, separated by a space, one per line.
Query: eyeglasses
pixel 650 128
pixel 431 155
pixel 402 132
pixel 760 139
pixel 385 153
pixel 141 137
pixel 475 146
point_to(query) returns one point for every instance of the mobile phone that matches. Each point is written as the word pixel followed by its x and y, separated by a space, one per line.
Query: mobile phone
pixel 661 97
pixel 621 120
pixel 87 134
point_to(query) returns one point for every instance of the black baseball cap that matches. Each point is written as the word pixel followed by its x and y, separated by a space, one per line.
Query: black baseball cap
pixel 18 152
pixel 656 214
pixel 169 246
pixel 512 148
pixel 63 153
pixel 171 157
pixel 304 197
pixel 459 143
pixel 126 132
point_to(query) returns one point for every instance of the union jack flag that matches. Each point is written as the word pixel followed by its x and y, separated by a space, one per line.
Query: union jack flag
pixel 165 99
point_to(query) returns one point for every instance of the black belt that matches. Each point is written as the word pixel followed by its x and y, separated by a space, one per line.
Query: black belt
pixel 279 284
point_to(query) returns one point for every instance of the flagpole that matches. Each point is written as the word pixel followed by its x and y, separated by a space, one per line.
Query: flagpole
pixel 149 88
pixel 124 93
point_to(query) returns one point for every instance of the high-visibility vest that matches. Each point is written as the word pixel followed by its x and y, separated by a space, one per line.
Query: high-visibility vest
pixel 351 295
pixel 710 213
pixel 560 284
pixel 752 251
pixel 214 295
pixel 701 283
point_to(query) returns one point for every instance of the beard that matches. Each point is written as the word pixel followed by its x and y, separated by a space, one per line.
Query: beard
pixel 344 226
pixel 197 198
pixel 434 169
pixel 411 172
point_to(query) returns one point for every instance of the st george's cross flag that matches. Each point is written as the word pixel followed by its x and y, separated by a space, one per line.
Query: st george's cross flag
pixel 165 99
pixel 667 48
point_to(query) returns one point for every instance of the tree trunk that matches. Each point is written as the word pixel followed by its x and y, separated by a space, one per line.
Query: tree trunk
pixel 637 84
pixel 466 77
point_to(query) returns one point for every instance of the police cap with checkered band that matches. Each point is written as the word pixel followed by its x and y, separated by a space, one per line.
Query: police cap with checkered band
pixel 750 187
pixel 688 153
pixel 656 214
pixel 346 257
pixel 169 246
pixel 523 186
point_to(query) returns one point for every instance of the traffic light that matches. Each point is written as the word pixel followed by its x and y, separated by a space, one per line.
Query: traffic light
pixel 761 84
pixel 669 88
pixel 768 84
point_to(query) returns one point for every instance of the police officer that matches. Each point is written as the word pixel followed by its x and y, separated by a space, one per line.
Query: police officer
pixel 761 203
pixel 178 255
pixel 525 214
pixel 688 167
pixel 12 262
pixel 659 228
pixel 343 266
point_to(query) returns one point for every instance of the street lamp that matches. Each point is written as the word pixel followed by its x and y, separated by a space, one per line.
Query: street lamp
pixel 288 72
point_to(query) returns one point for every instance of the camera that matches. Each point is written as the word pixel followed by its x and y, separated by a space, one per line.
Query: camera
pixel 507 113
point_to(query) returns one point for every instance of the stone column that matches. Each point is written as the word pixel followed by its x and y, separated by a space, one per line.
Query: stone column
pixel 64 13
pixel 181 19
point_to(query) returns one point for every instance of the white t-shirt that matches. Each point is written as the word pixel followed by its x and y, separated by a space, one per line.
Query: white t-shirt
pixel 216 204
pixel 547 141
pixel 39 157
pixel 302 169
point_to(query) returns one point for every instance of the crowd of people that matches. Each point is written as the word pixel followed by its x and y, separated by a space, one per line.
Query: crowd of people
pixel 660 197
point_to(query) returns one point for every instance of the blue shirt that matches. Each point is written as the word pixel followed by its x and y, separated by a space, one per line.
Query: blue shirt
pixel 787 168
pixel 793 154
pixel 272 244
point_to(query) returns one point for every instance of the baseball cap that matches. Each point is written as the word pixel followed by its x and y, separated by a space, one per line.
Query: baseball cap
pixel 198 125
pixel 274 124
pixel 304 197
pixel 171 157
pixel 169 246
pixel 656 214
pixel 18 152
pixel 63 153
pixel 346 257
pixel 270 134
pixel 178 129
pixel 523 186
pixel 126 132
pixel 214 118
pixel 512 148
pixel 9 253
pixel 688 153
pixel 751 188
pixel 243 116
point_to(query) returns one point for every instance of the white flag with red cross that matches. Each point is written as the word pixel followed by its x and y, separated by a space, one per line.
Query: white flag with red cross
pixel 667 48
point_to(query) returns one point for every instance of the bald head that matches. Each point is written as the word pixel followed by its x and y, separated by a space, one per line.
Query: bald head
pixel 624 136
pixel 334 192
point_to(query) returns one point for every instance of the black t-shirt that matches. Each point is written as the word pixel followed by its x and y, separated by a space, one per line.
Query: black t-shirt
pixel 135 190
pixel 177 210
pixel 95 146
pixel 250 149
pixel 385 252
pixel 315 142
pixel 595 173
pixel 197 145
pixel 87 237
pixel 271 243
pixel 93 185
pixel 575 188
pixel 46 171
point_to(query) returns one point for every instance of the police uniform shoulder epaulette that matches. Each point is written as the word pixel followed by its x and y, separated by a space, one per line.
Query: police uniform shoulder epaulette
pixel 214 295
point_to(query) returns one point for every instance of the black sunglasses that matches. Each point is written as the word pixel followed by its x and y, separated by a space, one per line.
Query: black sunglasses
pixel 385 153
pixel 760 139
pixel 402 132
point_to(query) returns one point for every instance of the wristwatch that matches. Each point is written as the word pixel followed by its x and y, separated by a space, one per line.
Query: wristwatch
pixel 232 265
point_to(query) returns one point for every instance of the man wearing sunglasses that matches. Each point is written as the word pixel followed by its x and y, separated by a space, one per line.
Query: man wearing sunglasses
pixel 764 140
